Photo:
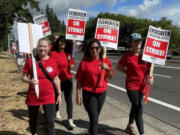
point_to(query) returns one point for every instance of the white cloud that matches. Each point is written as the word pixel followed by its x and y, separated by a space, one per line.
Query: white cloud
pixel 154 12
pixel 144 8
pixel 61 6
pixel 171 12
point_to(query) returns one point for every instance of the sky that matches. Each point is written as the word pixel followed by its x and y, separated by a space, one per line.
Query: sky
pixel 151 9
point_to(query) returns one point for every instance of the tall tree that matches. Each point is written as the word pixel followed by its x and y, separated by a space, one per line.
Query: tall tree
pixel 56 25
pixel 11 10
pixel 129 25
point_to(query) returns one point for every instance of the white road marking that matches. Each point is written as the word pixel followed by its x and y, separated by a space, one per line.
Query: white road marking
pixel 156 65
pixel 165 76
pixel 150 99
pixel 167 67
pixel 176 108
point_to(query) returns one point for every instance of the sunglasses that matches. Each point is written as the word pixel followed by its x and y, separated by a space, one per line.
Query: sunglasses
pixel 92 48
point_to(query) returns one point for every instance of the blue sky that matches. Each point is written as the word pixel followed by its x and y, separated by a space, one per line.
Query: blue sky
pixel 152 9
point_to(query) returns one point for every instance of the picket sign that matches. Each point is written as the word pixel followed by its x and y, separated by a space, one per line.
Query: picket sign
pixel 155 51
pixel 43 21
pixel 28 36
pixel 148 86
pixel 107 32
pixel 75 26
pixel 33 59
pixel 76 21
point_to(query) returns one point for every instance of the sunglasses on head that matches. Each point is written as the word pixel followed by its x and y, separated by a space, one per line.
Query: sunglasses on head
pixel 92 48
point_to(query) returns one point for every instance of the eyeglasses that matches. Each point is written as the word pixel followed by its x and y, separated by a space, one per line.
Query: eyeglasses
pixel 92 48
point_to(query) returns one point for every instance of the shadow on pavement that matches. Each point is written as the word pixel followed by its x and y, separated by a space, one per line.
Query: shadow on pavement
pixel 24 94
pixel 19 113
pixel 103 129
pixel 14 71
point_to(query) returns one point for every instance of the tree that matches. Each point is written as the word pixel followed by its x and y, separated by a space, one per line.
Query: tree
pixel 56 25
pixel 129 25
pixel 11 11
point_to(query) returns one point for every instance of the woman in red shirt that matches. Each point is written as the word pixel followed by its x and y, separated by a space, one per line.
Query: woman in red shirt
pixel 46 90
pixel 88 79
pixel 61 52
pixel 136 71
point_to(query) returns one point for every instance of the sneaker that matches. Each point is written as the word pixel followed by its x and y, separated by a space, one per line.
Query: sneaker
pixel 71 123
pixel 58 115
pixel 130 130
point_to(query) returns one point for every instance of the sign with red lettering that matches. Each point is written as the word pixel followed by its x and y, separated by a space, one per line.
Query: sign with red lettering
pixel 156 46
pixel 107 32
pixel 14 46
pixel 76 25
pixel 43 21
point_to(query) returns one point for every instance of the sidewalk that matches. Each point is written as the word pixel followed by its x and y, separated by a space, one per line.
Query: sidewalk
pixel 113 120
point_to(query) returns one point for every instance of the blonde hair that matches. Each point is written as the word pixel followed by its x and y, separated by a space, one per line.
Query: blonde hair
pixel 44 39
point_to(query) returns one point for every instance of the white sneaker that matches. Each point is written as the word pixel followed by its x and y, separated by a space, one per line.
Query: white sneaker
pixel 71 123
pixel 58 115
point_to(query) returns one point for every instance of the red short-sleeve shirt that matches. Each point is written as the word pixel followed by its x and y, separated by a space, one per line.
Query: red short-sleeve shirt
pixel 63 62
pixel 89 73
pixel 137 71
pixel 46 90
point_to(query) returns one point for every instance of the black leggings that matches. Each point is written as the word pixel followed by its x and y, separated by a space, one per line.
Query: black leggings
pixel 49 111
pixel 136 113
pixel 93 104
pixel 66 87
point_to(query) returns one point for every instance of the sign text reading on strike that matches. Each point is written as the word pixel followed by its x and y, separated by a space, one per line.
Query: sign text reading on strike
pixel 156 48
pixel 104 34
pixel 75 27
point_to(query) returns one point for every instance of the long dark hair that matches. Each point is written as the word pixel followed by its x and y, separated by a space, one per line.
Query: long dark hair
pixel 87 51
pixel 68 45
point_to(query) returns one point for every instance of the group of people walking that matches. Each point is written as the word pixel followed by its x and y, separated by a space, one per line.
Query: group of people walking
pixel 54 64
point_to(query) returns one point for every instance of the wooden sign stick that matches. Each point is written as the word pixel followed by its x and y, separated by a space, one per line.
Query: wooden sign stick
pixel 101 79
pixel 33 59
pixel 148 83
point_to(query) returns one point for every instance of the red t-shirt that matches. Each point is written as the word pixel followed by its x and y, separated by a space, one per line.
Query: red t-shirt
pixel 137 71
pixel 46 90
pixel 63 62
pixel 88 74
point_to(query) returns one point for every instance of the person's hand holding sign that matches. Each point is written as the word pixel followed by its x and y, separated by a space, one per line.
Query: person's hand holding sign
pixel 33 81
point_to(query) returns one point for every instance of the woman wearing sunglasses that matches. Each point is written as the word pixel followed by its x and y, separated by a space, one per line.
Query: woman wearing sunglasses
pixel 88 79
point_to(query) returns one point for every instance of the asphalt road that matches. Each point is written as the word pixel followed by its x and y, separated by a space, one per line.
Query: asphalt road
pixel 165 93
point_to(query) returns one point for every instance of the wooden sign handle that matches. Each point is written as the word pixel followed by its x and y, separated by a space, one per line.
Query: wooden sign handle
pixel 33 59
pixel 30 37
pixel 151 70
pixel 105 52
